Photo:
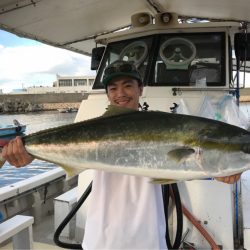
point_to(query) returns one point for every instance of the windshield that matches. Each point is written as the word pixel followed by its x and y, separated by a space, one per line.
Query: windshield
pixel 183 59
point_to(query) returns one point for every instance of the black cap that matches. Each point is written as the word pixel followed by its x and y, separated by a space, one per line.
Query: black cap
pixel 120 68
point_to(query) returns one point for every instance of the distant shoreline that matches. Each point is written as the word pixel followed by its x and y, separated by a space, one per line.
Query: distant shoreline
pixel 46 107
pixel 56 106
pixel 40 102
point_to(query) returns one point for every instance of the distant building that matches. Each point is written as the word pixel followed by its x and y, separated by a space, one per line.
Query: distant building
pixel 66 84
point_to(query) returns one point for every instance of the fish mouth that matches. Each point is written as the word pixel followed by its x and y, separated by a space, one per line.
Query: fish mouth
pixel 246 149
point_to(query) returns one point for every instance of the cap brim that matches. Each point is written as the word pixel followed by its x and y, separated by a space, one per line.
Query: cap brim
pixel 107 80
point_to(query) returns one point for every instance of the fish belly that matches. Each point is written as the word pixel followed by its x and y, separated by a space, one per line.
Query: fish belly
pixel 128 157
pixel 149 159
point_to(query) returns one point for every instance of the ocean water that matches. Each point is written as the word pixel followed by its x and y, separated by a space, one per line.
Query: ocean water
pixel 35 122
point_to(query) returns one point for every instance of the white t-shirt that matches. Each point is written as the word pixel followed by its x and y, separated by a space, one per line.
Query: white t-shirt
pixel 126 212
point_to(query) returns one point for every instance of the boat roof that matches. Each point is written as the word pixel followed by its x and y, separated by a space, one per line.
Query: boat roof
pixel 75 24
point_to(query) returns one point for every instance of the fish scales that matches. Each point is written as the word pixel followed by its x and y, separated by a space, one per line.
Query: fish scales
pixel 156 144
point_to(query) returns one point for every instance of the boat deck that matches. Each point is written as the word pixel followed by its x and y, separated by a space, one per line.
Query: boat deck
pixel 43 233
pixel 36 246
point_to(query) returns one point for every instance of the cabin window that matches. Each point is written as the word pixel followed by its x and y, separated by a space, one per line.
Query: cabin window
pixel 136 51
pixel 195 59
pixel 173 59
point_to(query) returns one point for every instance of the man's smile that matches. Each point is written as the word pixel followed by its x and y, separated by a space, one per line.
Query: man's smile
pixel 122 101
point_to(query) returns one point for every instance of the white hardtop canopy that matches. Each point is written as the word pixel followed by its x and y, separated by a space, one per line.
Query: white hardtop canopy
pixel 74 24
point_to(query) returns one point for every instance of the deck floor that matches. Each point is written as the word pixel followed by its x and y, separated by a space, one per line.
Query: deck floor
pixel 43 234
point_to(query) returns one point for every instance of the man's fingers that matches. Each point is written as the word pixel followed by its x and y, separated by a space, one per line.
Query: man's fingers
pixel 8 153
pixel 229 179
pixel 16 154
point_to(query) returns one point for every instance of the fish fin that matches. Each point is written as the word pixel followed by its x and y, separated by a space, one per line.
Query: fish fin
pixel 2 144
pixel 163 181
pixel 70 171
pixel 181 153
pixel 246 149
pixel 113 110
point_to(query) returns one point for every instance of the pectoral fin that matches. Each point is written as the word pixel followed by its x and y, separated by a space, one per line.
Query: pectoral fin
pixel 180 154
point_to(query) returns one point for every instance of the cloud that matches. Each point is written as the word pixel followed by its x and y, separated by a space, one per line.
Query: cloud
pixel 38 65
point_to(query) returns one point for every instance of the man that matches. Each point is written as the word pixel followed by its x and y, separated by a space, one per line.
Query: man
pixel 126 212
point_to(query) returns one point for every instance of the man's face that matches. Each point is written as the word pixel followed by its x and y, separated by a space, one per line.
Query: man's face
pixel 124 92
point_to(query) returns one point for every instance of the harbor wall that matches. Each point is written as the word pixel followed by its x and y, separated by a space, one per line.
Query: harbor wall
pixel 45 98
pixel 10 103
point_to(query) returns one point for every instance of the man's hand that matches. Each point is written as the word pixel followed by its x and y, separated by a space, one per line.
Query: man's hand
pixel 229 179
pixel 15 153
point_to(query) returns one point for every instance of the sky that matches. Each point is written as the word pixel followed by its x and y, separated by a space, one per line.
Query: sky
pixel 25 63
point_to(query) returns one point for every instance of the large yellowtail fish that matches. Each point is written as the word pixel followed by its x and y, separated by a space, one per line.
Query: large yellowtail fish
pixel 163 146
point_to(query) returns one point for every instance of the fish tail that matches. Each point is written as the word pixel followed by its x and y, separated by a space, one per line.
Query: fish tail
pixel 2 144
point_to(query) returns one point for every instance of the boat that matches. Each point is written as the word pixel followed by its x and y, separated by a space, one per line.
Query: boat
pixel 12 129
pixel 198 83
